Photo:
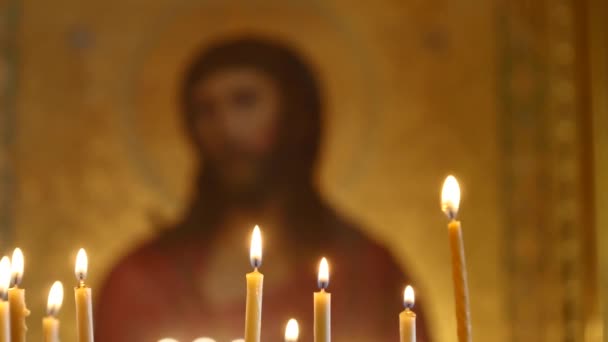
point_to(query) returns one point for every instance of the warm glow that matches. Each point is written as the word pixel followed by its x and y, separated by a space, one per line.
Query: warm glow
pixel 82 263
pixel 408 297
pixel 323 274
pixel 55 299
pixel 450 197
pixel 255 252
pixel 204 339
pixel 239 340
pixel 5 277
pixel 17 265
pixel 292 331
pixel 168 339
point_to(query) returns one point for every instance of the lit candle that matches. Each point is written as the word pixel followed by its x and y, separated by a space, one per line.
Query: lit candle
pixel 84 306
pixel 50 323
pixel 322 308
pixel 292 331
pixel 5 282
pixel 407 318
pixel 255 284
pixel 450 201
pixel 16 298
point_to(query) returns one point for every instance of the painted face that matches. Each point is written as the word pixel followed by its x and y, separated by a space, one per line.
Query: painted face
pixel 237 113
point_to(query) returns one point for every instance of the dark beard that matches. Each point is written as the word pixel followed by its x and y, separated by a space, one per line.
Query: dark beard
pixel 250 194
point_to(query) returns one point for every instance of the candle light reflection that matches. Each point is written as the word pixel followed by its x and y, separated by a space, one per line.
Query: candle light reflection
pixel 450 197
pixel 55 299
pixel 17 266
pixel 204 339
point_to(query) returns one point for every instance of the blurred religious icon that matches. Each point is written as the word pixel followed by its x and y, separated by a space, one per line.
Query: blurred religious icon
pixel 252 109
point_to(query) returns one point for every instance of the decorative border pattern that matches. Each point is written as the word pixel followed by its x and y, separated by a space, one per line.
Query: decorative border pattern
pixel 522 93
pixel 541 121
pixel 565 112
pixel 9 16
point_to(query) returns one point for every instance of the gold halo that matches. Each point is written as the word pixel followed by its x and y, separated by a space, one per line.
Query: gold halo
pixel 154 135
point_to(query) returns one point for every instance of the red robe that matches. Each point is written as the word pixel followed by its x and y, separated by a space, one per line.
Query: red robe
pixel 155 293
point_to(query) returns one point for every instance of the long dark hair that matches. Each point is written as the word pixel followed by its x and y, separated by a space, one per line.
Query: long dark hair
pixel 299 128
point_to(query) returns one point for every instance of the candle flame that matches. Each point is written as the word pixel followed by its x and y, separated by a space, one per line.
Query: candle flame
pixel 255 252
pixel 82 264
pixel 5 277
pixel 450 197
pixel 17 266
pixel 292 331
pixel 55 299
pixel 204 339
pixel 323 279
pixel 409 299
pixel 168 339
pixel 239 340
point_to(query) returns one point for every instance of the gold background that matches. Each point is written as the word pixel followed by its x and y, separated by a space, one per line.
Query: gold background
pixel 491 91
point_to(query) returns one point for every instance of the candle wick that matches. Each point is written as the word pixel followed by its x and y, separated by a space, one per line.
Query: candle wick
pixel 256 263
pixel 451 214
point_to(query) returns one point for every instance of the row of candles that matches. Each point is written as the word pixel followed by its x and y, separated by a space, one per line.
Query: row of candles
pixel 322 304
pixel 450 201
pixel 321 299
pixel 13 311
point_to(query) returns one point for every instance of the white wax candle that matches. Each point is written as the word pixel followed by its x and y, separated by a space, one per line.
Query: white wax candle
pixel 83 297
pixel 407 318
pixel 322 306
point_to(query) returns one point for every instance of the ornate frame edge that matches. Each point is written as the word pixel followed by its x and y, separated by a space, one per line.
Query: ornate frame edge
pixel 597 59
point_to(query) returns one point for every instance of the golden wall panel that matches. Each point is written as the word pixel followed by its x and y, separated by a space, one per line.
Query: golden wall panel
pixel 416 90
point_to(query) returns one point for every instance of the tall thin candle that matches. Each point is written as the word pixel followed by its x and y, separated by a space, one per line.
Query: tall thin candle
pixel 16 298
pixel 407 318
pixel 255 285
pixel 322 306
pixel 450 202
pixel 5 282
pixel 84 305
